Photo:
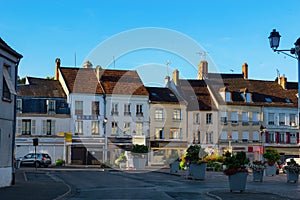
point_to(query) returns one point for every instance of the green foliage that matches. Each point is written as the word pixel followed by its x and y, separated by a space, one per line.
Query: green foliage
pixel 21 80
pixel 122 158
pixel 59 162
pixel 271 155
pixel 236 162
pixel 195 154
pixel 137 148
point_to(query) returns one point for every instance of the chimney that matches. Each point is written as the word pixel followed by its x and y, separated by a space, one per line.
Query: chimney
pixel 57 65
pixel 167 81
pixel 202 70
pixel 87 64
pixel 245 70
pixel 99 71
pixel 176 77
pixel 283 82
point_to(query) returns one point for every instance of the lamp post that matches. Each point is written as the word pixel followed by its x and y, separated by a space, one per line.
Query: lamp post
pixel 274 40
pixel 105 135
pixel 262 131
pixel 229 143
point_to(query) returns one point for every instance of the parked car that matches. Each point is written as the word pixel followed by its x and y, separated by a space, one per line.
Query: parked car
pixel 36 160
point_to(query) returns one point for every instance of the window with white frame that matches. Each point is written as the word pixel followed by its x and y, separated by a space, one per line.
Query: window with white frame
pixel 159 114
pixel 281 119
pixel 139 128
pixel 224 117
pixel 126 128
pixel 271 119
pixel 78 107
pixel 228 96
pixel 114 109
pixel 19 105
pixel 51 106
pixel 209 118
pixel 177 114
pixel 159 133
pixel 293 138
pixel 245 136
pixel 234 117
pixel 293 120
pixel 26 127
pixel 139 110
pixel 209 137
pixel 234 136
pixel 271 137
pixel 48 127
pixel 78 127
pixel 255 118
pixel 114 128
pixel 245 118
pixel 196 118
pixel 224 136
pixel 127 111
pixel 248 98
pixel 282 138
pixel 255 136
pixel 95 108
pixel 95 128
pixel 175 133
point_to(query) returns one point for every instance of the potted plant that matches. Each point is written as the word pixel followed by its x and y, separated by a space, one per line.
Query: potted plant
pixel 197 165
pixel 236 170
pixel 271 156
pixel 121 161
pixel 258 168
pixel 292 170
pixel 139 153
pixel 173 161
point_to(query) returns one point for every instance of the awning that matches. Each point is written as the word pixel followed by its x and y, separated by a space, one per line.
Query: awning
pixel 8 81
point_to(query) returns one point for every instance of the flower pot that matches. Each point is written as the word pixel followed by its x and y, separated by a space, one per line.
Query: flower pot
pixel 258 176
pixel 292 176
pixel 139 163
pixel 197 171
pixel 237 182
pixel 174 167
pixel 122 165
pixel 270 170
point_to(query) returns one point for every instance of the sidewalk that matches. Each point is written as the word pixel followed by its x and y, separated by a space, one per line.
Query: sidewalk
pixel 34 185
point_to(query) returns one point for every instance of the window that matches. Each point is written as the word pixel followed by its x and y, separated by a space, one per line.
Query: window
pixel 224 117
pixel 95 108
pixel 95 127
pixel 268 100
pixel 271 119
pixel 127 111
pixel 26 127
pixel 51 106
pixel 114 128
pixel 234 117
pixel 245 118
pixel 224 136
pixel 159 114
pixel 245 136
pixel 114 109
pixel 8 86
pixel 208 118
pixel 228 96
pixel 281 119
pixel 19 105
pixel 78 127
pixel 177 114
pixel 175 133
pixel 255 118
pixel 78 107
pixel 248 98
pixel 234 136
pixel 281 137
pixel 255 136
pixel 293 138
pixel 197 118
pixel 159 133
pixel 49 127
pixel 198 136
pixel 126 128
pixel 293 120
pixel 139 128
pixel 139 110
pixel 209 138
pixel 271 137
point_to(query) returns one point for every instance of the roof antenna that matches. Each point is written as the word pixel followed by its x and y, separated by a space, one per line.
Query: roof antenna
pixel 168 63
pixel 114 62
pixel 75 58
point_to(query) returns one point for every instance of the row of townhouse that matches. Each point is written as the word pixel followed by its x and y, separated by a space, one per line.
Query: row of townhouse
pixel 9 61
pixel 90 115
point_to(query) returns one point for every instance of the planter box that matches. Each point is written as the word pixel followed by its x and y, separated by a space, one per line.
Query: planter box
pixel 237 182
pixel 139 163
pixel 258 176
pixel 197 171
pixel 122 165
pixel 270 170
pixel 174 167
pixel 292 177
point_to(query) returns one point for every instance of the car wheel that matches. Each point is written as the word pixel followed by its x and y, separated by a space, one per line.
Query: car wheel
pixel 37 164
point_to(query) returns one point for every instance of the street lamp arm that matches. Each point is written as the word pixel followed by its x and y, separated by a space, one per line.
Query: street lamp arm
pixel 283 52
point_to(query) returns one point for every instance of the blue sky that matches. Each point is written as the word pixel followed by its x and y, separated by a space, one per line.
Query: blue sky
pixel 232 32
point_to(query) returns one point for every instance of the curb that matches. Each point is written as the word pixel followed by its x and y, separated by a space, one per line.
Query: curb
pixel 213 196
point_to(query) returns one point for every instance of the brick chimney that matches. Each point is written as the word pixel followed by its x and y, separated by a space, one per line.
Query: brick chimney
pixel 245 70
pixel 176 77
pixel 57 65
pixel 283 82
pixel 167 81
pixel 202 70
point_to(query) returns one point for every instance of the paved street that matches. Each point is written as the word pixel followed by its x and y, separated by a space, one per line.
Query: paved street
pixel 94 183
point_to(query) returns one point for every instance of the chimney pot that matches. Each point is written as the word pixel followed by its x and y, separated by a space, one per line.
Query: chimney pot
pixel 176 77
pixel 245 70
pixel 57 65
pixel 202 70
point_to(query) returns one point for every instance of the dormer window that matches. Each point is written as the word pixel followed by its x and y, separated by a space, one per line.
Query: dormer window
pixel 227 96
pixel 248 98
pixel 288 100
pixel 51 106
pixel 268 100
pixel 246 95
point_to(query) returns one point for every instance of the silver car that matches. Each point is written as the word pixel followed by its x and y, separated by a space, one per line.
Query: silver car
pixel 36 160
